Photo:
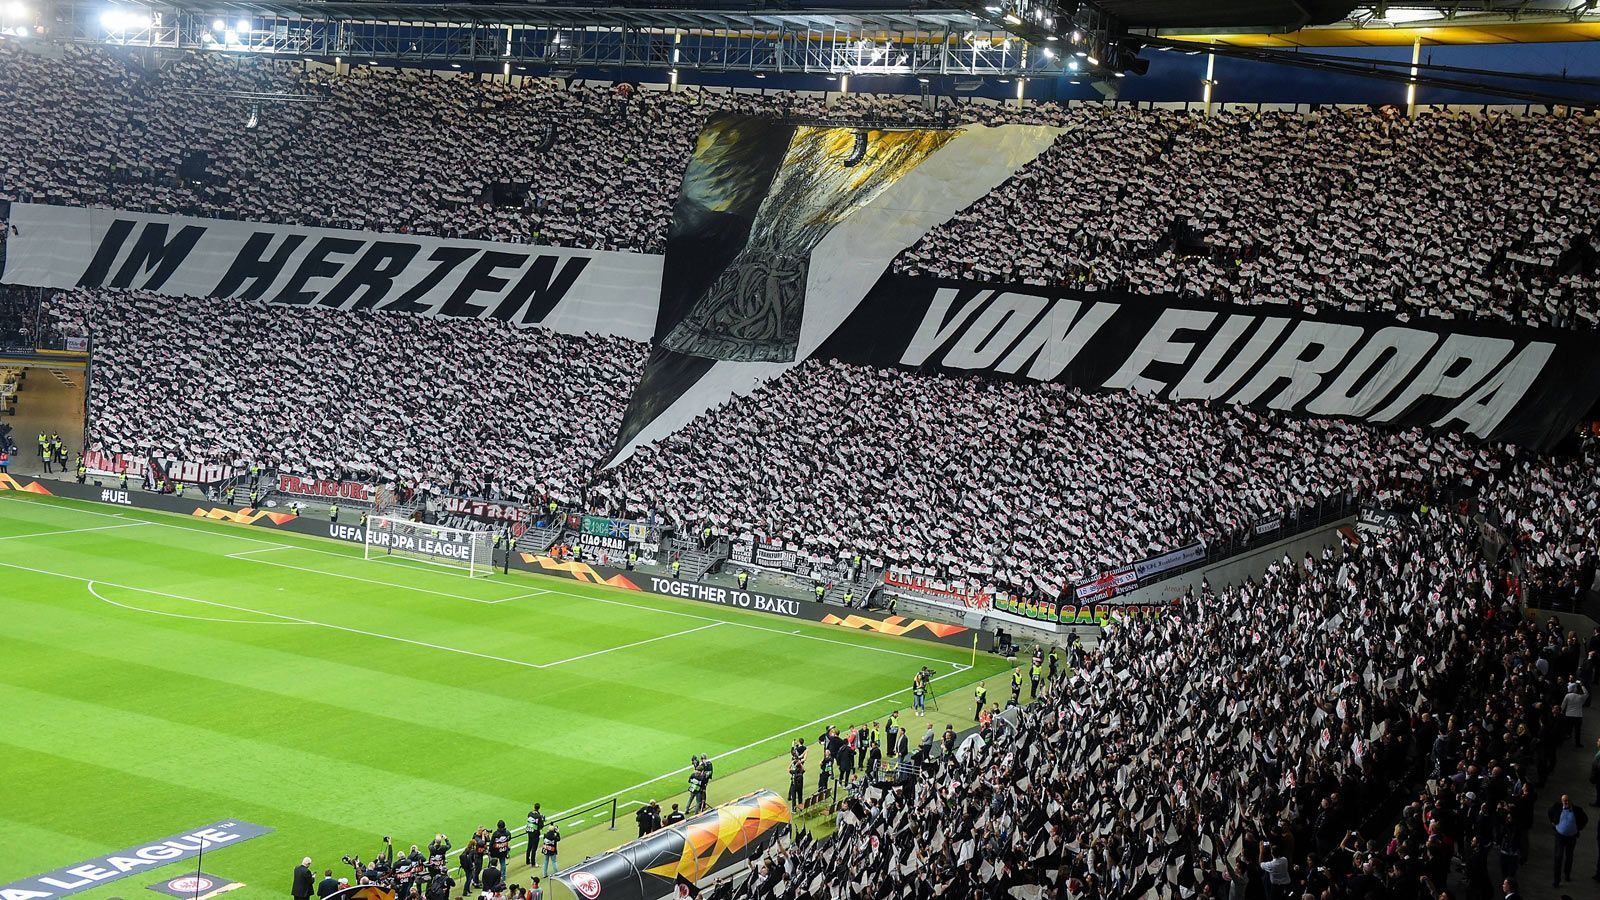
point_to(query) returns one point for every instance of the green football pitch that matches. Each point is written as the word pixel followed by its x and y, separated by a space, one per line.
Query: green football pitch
pixel 159 673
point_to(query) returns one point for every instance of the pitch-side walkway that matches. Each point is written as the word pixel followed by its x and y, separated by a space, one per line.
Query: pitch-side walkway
pixel 1571 776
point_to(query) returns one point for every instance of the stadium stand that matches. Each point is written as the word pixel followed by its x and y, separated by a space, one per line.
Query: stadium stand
pixel 1344 208
pixel 1158 217
pixel 1259 738
pixel 1548 508
pixel 120 136
pixel 17 312
pixel 368 395
pixel 1291 717
pixel 1340 209
pixel 992 483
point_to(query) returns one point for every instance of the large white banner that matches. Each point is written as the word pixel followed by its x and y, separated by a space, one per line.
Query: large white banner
pixel 571 291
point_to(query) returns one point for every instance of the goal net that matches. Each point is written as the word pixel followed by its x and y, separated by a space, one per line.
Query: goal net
pixel 457 548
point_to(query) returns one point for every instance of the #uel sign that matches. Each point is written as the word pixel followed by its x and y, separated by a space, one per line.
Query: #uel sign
pixel 112 866
pixel 324 489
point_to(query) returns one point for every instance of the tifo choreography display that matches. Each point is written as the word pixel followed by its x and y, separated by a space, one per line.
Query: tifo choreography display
pixel 1005 363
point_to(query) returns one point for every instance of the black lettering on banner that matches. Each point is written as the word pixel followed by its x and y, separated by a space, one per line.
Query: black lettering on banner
pixel 316 265
pixel 544 284
pixel 375 271
pixel 106 254
pixel 480 279
pixel 447 258
pixel 250 265
pixel 152 253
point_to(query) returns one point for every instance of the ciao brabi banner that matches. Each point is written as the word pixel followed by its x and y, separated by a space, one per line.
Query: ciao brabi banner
pixel 572 291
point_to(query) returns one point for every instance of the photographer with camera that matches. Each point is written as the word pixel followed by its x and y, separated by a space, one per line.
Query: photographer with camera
pixel 439 884
pixel 552 844
pixel 797 781
pixel 471 860
pixel 500 845
pixel 697 786
pixel 536 820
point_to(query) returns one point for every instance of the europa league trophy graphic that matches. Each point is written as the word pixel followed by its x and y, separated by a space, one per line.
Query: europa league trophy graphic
pixel 752 311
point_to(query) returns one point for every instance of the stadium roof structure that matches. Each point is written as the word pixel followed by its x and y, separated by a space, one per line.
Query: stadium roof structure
pixel 972 38
pixel 1437 22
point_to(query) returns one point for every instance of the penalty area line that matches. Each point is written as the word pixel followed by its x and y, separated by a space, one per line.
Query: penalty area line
pixel 156 612
pixel 246 557
pixel 260 612
pixel 18 537
pixel 659 637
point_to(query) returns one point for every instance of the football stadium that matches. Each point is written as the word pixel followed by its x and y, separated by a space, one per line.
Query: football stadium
pixel 800 451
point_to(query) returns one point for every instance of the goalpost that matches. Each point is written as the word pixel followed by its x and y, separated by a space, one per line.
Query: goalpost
pixel 454 548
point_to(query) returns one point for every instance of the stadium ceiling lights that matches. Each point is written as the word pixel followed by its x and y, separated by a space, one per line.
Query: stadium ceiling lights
pixel 904 41
pixel 118 20
pixel 1092 34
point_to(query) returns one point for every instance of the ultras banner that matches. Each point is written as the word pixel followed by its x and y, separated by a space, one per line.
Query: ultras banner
pixel 1045 613
pixel 1500 383
pixel 571 291
pixel 650 867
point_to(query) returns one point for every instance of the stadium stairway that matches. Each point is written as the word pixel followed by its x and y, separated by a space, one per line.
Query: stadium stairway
pixel 696 562
pixel 861 586
pixel 539 540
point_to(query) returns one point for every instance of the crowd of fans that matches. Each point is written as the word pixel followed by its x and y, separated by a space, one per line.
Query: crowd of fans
pixel 991 484
pixel 1022 488
pixel 1455 216
pixel 479 407
pixel 1548 508
pixel 1256 741
pixel 380 149
pixel 18 314
pixel 1461 216
pixel 982 484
